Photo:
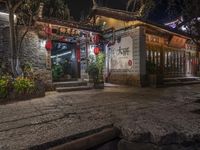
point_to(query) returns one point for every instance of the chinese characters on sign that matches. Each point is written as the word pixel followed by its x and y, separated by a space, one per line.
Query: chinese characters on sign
pixel 121 53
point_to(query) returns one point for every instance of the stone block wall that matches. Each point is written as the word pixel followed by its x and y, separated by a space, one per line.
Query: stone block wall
pixel 125 79
pixel 126 58
pixel 4 45
pixel 32 52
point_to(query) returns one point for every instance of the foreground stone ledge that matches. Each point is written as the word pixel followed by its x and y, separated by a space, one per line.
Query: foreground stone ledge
pixel 167 118
pixel 126 145
pixel 90 141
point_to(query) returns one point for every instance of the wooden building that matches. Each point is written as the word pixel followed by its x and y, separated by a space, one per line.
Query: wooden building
pixel 134 48
pixel 138 48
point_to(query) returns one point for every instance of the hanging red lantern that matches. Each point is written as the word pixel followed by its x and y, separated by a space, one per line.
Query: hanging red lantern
pixel 96 50
pixel 48 45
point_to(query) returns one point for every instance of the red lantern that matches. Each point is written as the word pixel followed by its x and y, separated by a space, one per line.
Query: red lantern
pixel 96 50
pixel 48 45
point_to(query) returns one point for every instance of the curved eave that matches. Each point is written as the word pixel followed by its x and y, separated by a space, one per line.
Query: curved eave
pixel 114 13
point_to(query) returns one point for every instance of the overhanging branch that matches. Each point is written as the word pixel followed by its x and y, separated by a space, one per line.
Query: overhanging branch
pixel 17 5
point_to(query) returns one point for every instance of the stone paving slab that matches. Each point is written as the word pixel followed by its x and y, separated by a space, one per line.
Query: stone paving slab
pixel 152 113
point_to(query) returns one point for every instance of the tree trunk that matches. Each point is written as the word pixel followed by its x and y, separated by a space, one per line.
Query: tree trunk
pixel 13 57
pixel 94 3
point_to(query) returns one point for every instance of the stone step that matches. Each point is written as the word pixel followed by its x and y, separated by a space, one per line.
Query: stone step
pixel 69 89
pixel 70 84
pixel 82 140
pixel 178 83
pixel 182 79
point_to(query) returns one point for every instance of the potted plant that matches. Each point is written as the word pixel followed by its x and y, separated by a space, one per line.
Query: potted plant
pixel 155 77
pixel 57 72
pixel 95 70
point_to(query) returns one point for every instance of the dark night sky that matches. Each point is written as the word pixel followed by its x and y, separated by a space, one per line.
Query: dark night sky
pixel 159 13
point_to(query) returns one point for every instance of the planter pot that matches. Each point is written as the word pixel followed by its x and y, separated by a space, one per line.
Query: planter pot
pixel 155 80
pixel 99 85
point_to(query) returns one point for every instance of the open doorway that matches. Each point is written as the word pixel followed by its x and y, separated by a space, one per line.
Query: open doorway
pixel 65 66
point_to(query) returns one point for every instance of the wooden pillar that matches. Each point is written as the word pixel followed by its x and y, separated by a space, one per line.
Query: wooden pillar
pixel 184 63
pixel 162 61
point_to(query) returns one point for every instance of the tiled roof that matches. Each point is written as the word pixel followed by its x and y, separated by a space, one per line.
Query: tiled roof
pixel 72 24
pixel 114 13
pixel 129 16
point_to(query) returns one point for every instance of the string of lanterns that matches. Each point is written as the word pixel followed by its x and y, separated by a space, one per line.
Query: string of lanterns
pixel 94 38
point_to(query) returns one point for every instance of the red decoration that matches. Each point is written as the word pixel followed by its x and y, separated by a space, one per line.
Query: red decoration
pixel 48 45
pixel 96 39
pixel 130 62
pixel 96 50
pixel 78 54
pixel 62 38
pixel 48 30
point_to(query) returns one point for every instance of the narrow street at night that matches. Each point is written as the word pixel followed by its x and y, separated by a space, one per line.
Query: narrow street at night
pixel 165 116
pixel 99 75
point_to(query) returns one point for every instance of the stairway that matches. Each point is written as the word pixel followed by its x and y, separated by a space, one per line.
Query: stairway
pixel 71 86
pixel 181 81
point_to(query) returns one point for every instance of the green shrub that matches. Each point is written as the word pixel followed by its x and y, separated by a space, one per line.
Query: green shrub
pixel 23 85
pixel 28 70
pixel 100 61
pixel 57 72
pixel 5 85
pixel 93 72
pixel 95 67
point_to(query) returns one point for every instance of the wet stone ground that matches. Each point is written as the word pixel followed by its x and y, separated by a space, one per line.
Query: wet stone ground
pixel 153 119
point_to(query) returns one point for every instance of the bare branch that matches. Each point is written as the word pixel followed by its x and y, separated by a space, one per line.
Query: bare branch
pixel 17 5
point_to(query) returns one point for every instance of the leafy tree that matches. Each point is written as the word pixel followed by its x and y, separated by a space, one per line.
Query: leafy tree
pixel 25 11
pixel 191 16
pixel 56 9
pixel 141 7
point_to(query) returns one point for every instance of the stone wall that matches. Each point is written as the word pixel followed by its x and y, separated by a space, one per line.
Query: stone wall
pixel 4 45
pixel 33 52
pixel 125 60
pixel 124 78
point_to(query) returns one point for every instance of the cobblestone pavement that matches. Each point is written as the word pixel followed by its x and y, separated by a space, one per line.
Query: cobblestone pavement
pixel 28 123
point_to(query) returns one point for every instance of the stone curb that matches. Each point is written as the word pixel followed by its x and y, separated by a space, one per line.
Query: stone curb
pixel 90 141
